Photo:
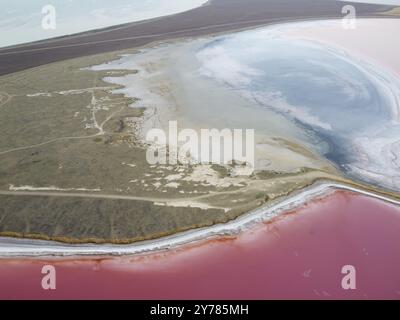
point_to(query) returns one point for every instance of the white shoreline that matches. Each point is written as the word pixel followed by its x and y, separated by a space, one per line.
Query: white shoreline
pixel 14 248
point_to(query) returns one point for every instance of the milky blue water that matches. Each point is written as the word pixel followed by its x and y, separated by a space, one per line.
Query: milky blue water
pixel 21 20
pixel 349 104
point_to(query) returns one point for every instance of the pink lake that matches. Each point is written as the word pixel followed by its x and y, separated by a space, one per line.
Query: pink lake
pixel 297 256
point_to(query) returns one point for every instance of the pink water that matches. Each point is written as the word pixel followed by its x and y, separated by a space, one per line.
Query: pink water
pixel 299 255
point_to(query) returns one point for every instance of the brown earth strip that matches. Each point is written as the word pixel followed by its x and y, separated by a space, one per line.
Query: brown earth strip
pixel 216 16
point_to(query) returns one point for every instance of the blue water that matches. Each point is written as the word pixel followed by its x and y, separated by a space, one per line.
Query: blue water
pixel 348 104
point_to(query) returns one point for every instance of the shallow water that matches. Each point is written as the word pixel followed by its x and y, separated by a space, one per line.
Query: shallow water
pixel 21 21
pixel 312 83
pixel 347 102
pixel 299 255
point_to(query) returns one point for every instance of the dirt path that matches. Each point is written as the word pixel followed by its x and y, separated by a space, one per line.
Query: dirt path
pixel 99 127
pixel 100 196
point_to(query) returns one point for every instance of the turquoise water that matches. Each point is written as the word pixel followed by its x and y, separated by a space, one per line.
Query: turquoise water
pixel 21 20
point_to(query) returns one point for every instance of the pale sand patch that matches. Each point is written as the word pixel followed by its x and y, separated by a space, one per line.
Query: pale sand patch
pixel 161 86
pixel 207 176
pixel 190 204
pixel 51 188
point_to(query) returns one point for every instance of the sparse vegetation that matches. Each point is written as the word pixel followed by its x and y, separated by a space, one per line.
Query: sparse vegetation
pixel 65 131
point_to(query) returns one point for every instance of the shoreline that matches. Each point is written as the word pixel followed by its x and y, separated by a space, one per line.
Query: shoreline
pixel 288 252
pixel 193 23
pixel 24 248
pixel 142 16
